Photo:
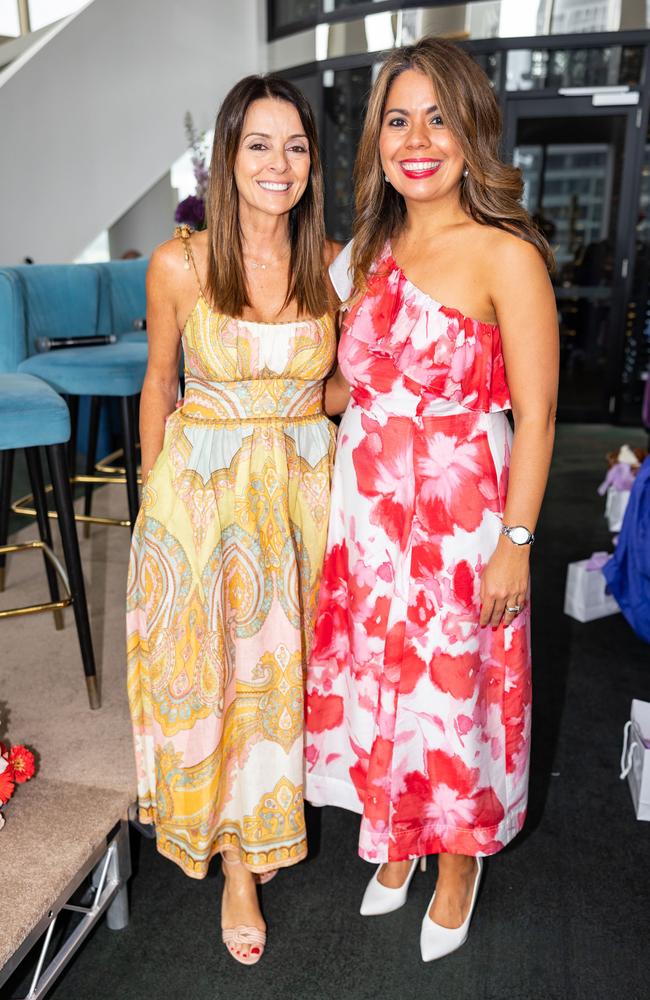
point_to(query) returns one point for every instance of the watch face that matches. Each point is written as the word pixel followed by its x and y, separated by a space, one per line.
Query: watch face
pixel 519 535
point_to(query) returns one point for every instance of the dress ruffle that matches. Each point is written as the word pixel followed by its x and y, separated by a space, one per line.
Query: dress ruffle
pixel 444 353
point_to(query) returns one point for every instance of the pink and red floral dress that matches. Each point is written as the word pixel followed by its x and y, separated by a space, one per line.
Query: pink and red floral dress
pixel 418 718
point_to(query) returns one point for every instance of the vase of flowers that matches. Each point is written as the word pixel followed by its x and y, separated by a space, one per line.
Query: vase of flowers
pixel 191 210
pixel 16 766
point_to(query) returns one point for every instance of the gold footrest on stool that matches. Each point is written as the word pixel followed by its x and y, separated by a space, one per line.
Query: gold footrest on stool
pixel 24 505
pixel 105 464
pixel 31 609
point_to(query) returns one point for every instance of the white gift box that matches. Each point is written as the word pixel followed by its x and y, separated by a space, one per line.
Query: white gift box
pixel 615 505
pixel 635 759
pixel 585 598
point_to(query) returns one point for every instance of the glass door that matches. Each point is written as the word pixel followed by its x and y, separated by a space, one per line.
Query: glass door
pixel 575 168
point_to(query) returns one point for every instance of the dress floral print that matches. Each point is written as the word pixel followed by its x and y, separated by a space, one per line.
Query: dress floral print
pixel 417 717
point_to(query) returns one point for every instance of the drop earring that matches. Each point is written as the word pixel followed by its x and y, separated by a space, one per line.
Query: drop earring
pixel 386 178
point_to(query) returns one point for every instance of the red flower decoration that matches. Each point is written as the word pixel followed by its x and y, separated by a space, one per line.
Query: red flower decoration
pixel 6 783
pixel 22 761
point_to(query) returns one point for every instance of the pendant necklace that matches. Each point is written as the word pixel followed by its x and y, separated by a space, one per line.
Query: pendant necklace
pixel 259 266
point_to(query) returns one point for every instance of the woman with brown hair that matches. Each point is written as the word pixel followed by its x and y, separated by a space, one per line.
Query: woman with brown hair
pixel 418 694
pixel 228 545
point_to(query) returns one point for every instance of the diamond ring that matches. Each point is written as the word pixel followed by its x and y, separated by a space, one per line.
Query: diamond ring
pixel 514 610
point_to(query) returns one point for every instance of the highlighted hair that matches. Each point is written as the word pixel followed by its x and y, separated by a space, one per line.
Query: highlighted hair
pixel 226 278
pixel 490 194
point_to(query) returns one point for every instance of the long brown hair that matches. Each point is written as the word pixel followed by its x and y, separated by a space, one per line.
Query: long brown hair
pixel 226 278
pixel 490 193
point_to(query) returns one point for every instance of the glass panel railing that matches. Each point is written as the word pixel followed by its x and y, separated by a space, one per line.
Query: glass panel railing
pixel 480 19
pixel 285 13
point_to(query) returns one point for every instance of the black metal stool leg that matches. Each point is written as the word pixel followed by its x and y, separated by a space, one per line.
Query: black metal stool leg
pixel 73 406
pixel 128 433
pixel 91 456
pixel 6 476
pixel 56 456
pixel 40 503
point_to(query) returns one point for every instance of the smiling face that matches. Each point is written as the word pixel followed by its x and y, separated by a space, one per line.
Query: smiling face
pixel 419 155
pixel 273 162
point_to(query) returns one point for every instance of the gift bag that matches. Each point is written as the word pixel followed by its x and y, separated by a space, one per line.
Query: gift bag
pixel 615 504
pixel 585 598
pixel 635 758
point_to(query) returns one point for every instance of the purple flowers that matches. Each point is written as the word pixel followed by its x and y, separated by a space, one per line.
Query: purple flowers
pixel 191 212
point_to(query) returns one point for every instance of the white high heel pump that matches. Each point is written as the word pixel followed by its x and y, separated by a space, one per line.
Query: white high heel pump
pixel 379 899
pixel 437 941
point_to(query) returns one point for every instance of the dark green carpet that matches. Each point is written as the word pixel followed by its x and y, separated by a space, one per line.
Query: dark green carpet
pixel 564 912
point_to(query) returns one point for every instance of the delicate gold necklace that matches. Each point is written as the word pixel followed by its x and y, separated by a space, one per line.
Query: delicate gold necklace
pixel 257 265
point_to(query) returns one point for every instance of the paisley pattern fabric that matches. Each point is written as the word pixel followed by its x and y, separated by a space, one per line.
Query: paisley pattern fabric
pixel 417 717
pixel 224 571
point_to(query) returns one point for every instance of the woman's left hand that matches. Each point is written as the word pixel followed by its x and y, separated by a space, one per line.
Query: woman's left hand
pixel 504 583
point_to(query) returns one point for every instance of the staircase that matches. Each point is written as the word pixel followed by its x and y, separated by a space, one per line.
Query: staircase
pixel 91 116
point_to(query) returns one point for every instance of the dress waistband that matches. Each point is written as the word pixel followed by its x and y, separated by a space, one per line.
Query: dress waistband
pixel 252 400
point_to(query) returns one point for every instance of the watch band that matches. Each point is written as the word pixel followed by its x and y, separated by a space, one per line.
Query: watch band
pixel 518 534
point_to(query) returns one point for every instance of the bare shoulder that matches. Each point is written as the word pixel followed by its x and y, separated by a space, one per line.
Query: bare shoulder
pixel 166 261
pixel 331 251
pixel 509 255
pixel 168 275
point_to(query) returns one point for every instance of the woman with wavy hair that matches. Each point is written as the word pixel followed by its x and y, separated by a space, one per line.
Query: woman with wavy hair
pixel 229 541
pixel 418 695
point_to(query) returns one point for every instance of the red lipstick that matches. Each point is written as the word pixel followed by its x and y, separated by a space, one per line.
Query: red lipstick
pixel 416 174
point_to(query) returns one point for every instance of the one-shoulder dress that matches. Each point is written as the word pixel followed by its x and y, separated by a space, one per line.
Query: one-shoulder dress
pixel 417 717
pixel 223 580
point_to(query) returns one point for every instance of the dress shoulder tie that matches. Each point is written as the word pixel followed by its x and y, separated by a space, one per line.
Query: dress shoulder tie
pixel 184 233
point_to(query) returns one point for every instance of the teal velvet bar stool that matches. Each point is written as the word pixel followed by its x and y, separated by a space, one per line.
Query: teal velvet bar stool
pixel 123 299
pixel 33 415
pixel 123 288
pixel 64 300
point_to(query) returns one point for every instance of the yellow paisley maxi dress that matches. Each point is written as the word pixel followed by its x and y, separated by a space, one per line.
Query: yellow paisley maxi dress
pixel 223 580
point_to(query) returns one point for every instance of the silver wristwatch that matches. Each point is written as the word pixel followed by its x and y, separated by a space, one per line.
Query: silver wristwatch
pixel 518 534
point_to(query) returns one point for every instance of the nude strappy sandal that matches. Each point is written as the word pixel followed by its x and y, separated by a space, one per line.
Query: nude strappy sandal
pixel 236 938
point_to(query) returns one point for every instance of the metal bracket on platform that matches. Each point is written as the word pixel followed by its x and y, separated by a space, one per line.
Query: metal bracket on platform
pixel 110 865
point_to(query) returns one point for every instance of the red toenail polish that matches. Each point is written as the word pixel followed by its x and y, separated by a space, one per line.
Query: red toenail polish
pixel 255 951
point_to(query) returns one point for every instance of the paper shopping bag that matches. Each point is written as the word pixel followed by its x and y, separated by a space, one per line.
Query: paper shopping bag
pixel 635 758
pixel 585 597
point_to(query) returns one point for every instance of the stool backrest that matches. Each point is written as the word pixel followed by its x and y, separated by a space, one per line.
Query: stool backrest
pixel 123 289
pixel 60 300
pixel 12 322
